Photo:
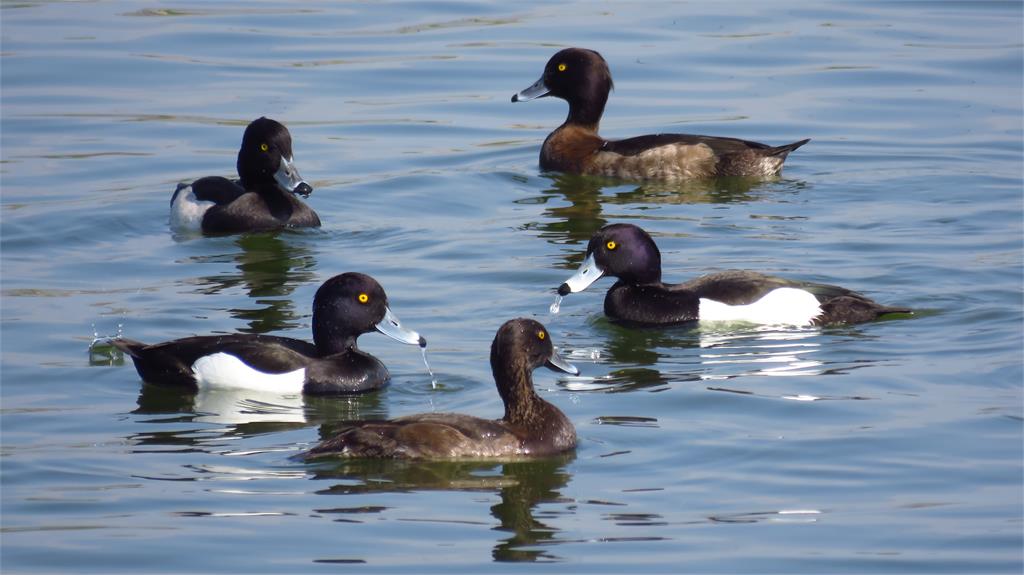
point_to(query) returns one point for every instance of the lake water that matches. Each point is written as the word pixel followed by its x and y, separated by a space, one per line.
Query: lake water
pixel 892 446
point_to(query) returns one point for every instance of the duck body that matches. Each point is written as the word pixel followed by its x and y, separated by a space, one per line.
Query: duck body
pixel 253 361
pixel 446 436
pixel 531 427
pixel 582 78
pixel 217 205
pixel 580 150
pixel 639 297
pixel 331 365
pixel 739 295
pixel 262 199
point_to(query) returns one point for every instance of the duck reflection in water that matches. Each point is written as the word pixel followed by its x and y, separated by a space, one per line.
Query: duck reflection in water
pixel 656 358
pixel 575 223
pixel 228 413
pixel 521 485
pixel 270 266
pixel 636 359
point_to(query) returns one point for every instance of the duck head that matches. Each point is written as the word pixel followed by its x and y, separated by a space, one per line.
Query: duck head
pixel 349 305
pixel 525 344
pixel 623 251
pixel 266 158
pixel 578 76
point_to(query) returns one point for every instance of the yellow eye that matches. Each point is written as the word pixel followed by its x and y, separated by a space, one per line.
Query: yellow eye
pixel 611 245
pixel 363 298
pixel 561 67
pixel 541 335
pixel 264 147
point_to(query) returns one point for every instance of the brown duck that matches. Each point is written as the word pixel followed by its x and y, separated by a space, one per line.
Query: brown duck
pixel 530 427
pixel 582 78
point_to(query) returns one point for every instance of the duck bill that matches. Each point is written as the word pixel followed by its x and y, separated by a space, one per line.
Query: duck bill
pixel 537 90
pixel 557 363
pixel 588 273
pixel 287 176
pixel 391 327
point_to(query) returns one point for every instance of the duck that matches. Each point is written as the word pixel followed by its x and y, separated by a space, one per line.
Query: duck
pixel 531 426
pixel 263 198
pixel 581 77
pixel 640 298
pixel 344 307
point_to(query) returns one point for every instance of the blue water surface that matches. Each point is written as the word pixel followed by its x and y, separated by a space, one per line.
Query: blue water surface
pixel 894 446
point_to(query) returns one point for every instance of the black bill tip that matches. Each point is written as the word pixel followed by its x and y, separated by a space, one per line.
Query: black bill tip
pixel 564 290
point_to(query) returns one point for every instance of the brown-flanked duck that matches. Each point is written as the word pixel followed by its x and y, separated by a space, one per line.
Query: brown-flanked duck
pixel 531 426
pixel 581 77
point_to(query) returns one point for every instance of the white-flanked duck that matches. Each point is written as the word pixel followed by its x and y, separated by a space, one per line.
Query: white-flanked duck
pixel 639 297
pixel 345 307
pixel 262 198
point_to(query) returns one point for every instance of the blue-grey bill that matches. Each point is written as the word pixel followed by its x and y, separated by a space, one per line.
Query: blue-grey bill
pixel 537 90
pixel 391 327
pixel 557 362
pixel 588 273
pixel 287 176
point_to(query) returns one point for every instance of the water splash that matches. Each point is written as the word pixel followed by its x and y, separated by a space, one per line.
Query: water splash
pixel 433 378
pixel 97 338
pixel 593 354
pixel 557 305
pixel 101 350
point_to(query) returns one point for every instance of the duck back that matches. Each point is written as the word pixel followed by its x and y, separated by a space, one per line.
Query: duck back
pixel 424 436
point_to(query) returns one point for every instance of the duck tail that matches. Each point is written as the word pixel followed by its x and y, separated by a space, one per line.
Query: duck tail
pixel 886 310
pixel 854 308
pixel 783 151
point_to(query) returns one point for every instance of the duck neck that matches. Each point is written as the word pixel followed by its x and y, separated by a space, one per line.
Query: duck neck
pixel 250 175
pixel 515 386
pixel 587 110
pixel 646 277
pixel 278 201
pixel 329 339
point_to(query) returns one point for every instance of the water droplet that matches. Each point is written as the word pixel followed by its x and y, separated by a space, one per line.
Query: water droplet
pixel 557 305
pixel 433 379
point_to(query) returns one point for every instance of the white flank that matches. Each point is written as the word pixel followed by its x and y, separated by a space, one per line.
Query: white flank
pixel 223 370
pixel 187 212
pixel 782 306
